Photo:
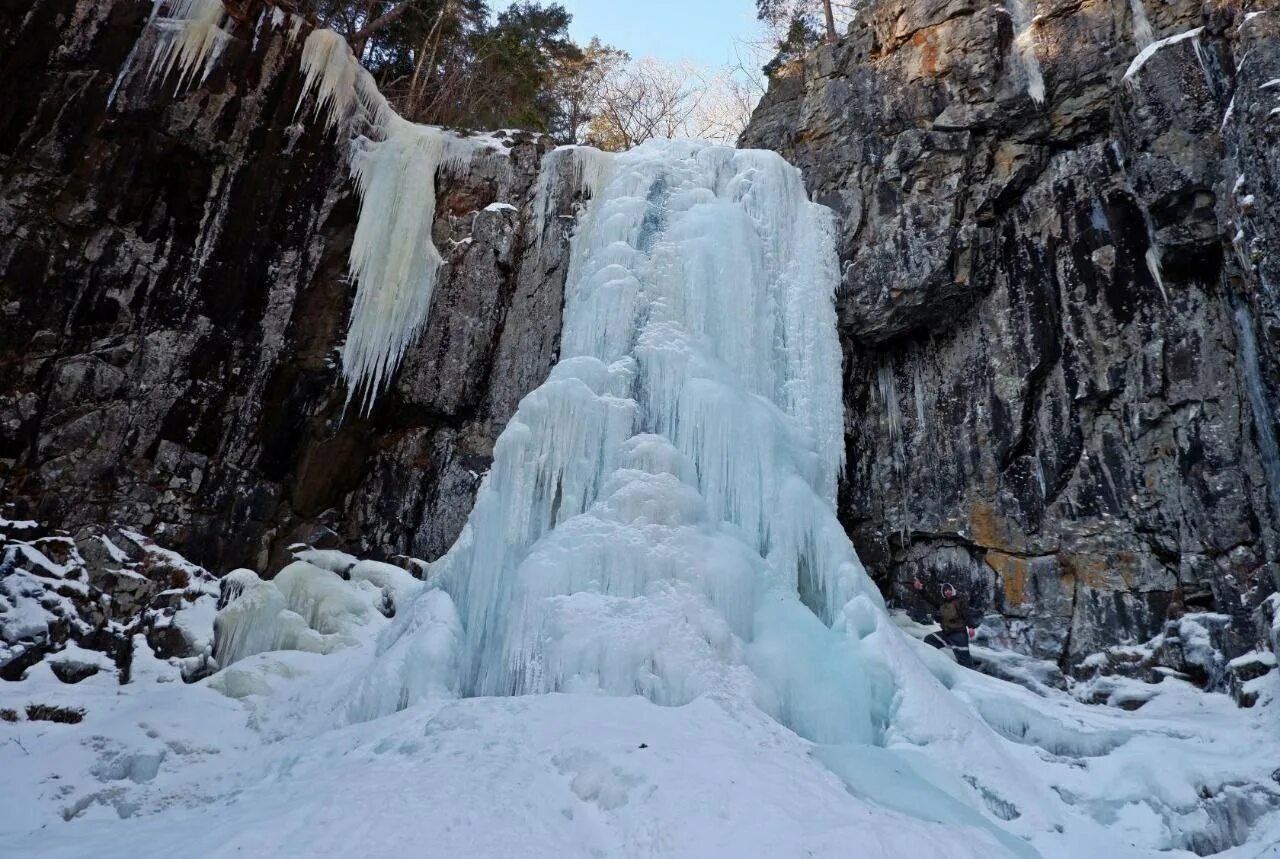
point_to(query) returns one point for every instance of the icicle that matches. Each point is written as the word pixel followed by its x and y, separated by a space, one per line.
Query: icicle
pixel 191 40
pixel 1155 267
pixel 1264 421
pixel 918 388
pixel 133 54
pixel 393 260
pixel 295 27
pixel 393 263
pixel 257 30
pixel 887 393
pixel 329 71
pixel 588 169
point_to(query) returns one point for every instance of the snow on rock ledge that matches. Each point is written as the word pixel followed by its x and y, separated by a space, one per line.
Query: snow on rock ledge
pixel 77 603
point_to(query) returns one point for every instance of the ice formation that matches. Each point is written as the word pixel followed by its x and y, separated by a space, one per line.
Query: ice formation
pixel 658 522
pixel 1256 388
pixel 659 518
pixel 1024 47
pixel 129 60
pixel 304 607
pixel 1142 33
pixel 393 262
pixel 582 167
pixel 1150 51
pixel 190 40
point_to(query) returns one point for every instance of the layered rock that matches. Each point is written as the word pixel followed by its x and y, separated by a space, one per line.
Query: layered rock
pixel 174 295
pixel 1057 307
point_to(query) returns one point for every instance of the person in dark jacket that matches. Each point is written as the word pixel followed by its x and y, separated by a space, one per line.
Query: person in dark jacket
pixel 952 612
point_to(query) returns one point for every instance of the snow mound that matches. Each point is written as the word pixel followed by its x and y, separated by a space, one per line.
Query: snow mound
pixel 304 607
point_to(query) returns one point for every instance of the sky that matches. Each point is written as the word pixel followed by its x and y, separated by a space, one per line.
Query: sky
pixel 702 31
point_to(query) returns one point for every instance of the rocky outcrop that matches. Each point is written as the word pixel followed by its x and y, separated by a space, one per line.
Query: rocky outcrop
pixel 86 603
pixel 173 295
pixel 1060 331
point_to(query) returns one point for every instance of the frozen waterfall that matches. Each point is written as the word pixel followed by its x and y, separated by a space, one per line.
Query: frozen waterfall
pixel 659 518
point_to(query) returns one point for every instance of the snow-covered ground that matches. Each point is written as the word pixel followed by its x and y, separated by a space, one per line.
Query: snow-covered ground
pixel 162 768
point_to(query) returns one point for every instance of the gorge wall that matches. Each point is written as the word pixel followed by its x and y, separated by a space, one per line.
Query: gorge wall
pixel 1057 304
pixel 174 297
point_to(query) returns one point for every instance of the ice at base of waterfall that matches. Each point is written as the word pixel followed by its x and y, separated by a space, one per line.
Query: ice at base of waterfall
pixel 162 768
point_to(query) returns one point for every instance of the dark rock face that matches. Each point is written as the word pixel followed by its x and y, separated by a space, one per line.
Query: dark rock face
pixel 173 297
pixel 1060 321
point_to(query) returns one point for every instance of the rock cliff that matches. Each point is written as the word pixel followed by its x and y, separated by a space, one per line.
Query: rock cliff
pixel 1057 304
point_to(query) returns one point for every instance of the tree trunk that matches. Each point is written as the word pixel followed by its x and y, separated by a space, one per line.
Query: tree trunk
pixel 831 20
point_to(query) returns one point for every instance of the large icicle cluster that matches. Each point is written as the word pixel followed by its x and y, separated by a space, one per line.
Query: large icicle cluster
pixel 190 40
pixel 393 261
pixel 394 163
pixel 659 518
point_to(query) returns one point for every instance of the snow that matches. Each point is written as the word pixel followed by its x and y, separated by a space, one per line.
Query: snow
pixel 328 559
pixel 168 556
pixel 195 621
pixel 73 654
pixel 270 744
pixel 1150 50
pixel 1264 659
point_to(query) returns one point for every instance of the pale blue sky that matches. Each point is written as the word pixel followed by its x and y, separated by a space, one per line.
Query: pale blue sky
pixel 699 30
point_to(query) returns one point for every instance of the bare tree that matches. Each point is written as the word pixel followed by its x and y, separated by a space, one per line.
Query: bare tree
pixel 725 108
pixel 649 98
pixel 778 14
pixel 643 100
